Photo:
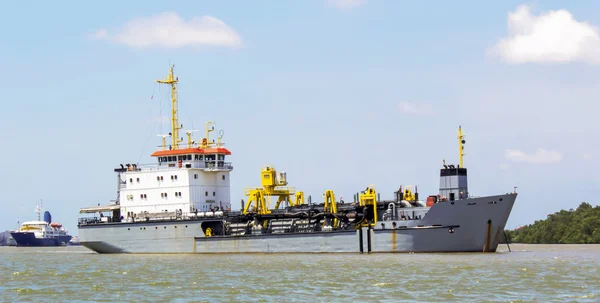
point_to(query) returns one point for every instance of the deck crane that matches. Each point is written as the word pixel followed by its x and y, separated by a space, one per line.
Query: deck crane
pixel 369 197
pixel 330 205
pixel 274 184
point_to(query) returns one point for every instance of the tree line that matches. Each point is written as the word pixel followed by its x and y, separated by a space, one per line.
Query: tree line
pixel 579 226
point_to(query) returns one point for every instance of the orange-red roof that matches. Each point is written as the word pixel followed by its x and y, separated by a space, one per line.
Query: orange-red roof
pixel 193 150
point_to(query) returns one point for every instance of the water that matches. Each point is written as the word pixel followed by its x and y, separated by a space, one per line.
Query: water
pixel 531 273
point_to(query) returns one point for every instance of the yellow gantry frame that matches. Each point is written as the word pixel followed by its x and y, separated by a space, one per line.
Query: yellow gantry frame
pixel 330 205
pixel 257 197
pixel 461 147
pixel 369 196
pixel 271 188
pixel 175 127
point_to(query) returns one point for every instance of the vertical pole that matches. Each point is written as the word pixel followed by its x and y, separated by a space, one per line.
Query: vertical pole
pixel 369 238
pixel 360 240
pixel 506 239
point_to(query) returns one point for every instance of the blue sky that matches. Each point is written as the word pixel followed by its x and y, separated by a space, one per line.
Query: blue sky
pixel 339 94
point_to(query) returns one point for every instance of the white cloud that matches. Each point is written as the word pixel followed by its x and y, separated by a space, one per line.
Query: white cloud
pixel 169 30
pixel 346 4
pixel 415 109
pixel 551 37
pixel 540 156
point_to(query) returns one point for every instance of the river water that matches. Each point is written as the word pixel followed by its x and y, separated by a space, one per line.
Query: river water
pixel 530 273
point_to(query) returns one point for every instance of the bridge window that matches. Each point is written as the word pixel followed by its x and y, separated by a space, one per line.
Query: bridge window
pixel 213 193
pixel 189 157
pixel 196 157
pixel 223 177
pixel 206 193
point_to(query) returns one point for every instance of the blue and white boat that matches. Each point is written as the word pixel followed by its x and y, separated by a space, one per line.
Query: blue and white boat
pixel 41 233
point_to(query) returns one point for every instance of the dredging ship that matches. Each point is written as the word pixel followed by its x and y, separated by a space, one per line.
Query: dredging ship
pixel 181 204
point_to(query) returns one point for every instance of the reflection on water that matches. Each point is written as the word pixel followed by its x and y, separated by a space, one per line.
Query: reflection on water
pixel 531 273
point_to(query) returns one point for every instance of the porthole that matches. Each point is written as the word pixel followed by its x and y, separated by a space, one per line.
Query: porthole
pixel 161 178
pixel 452 203
pixel 186 226
pixel 195 176
pixel 155 227
pixel 175 177
pixel 130 180
pixel 500 199
pixel 214 194
pixel 223 177
pixel 165 227
pixel 175 226
pixel 138 180
pixel 206 193
pixel 157 178
pixel 128 228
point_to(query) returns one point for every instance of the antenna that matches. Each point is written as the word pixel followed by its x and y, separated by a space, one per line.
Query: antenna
pixel 172 81
pixel 38 210
pixel 221 133
pixel 461 147
pixel 164 140
pixel 209 128
pixel 189 135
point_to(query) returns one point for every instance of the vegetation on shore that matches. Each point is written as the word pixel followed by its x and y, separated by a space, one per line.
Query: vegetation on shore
pixel 579 226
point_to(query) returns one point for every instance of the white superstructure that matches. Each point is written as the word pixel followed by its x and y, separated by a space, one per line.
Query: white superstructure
pixel 186 180
pixel 183 180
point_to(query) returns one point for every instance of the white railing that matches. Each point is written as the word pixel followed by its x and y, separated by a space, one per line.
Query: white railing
pixel 213 165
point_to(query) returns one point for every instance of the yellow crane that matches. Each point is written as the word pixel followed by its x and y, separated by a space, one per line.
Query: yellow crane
pixel 330 205
pixel 369 196
pixel 274 184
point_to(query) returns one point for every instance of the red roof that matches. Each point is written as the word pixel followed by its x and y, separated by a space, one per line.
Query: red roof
pixel 193 150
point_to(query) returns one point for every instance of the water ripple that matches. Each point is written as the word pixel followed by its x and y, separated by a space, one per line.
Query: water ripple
pixel 532 273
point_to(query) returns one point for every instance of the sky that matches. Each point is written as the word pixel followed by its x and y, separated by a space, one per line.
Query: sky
pixel 340 94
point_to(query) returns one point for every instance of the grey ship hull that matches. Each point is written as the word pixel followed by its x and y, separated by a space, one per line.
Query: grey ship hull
pixel 469 225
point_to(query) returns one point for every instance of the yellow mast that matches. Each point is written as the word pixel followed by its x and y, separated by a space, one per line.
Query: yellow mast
pixel 175 127
pixel 461 147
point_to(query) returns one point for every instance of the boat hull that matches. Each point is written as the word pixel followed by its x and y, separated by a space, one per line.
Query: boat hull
pixel 29 239
pixel 469 225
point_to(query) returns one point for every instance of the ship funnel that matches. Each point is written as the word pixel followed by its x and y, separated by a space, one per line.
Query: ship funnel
pixel 47 217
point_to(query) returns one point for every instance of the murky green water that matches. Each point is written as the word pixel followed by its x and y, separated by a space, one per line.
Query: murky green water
pixel 531 273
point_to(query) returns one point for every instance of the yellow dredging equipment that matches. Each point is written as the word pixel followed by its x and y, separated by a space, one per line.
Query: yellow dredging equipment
pixel 369 197
pixel 274 184
pixel 330 205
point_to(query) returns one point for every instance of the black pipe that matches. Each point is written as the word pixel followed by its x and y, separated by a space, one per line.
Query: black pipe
pixel 360 240
pixel 369 238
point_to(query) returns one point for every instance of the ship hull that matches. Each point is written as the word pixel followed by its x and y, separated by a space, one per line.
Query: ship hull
pixel 29 239
pixel 469 225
